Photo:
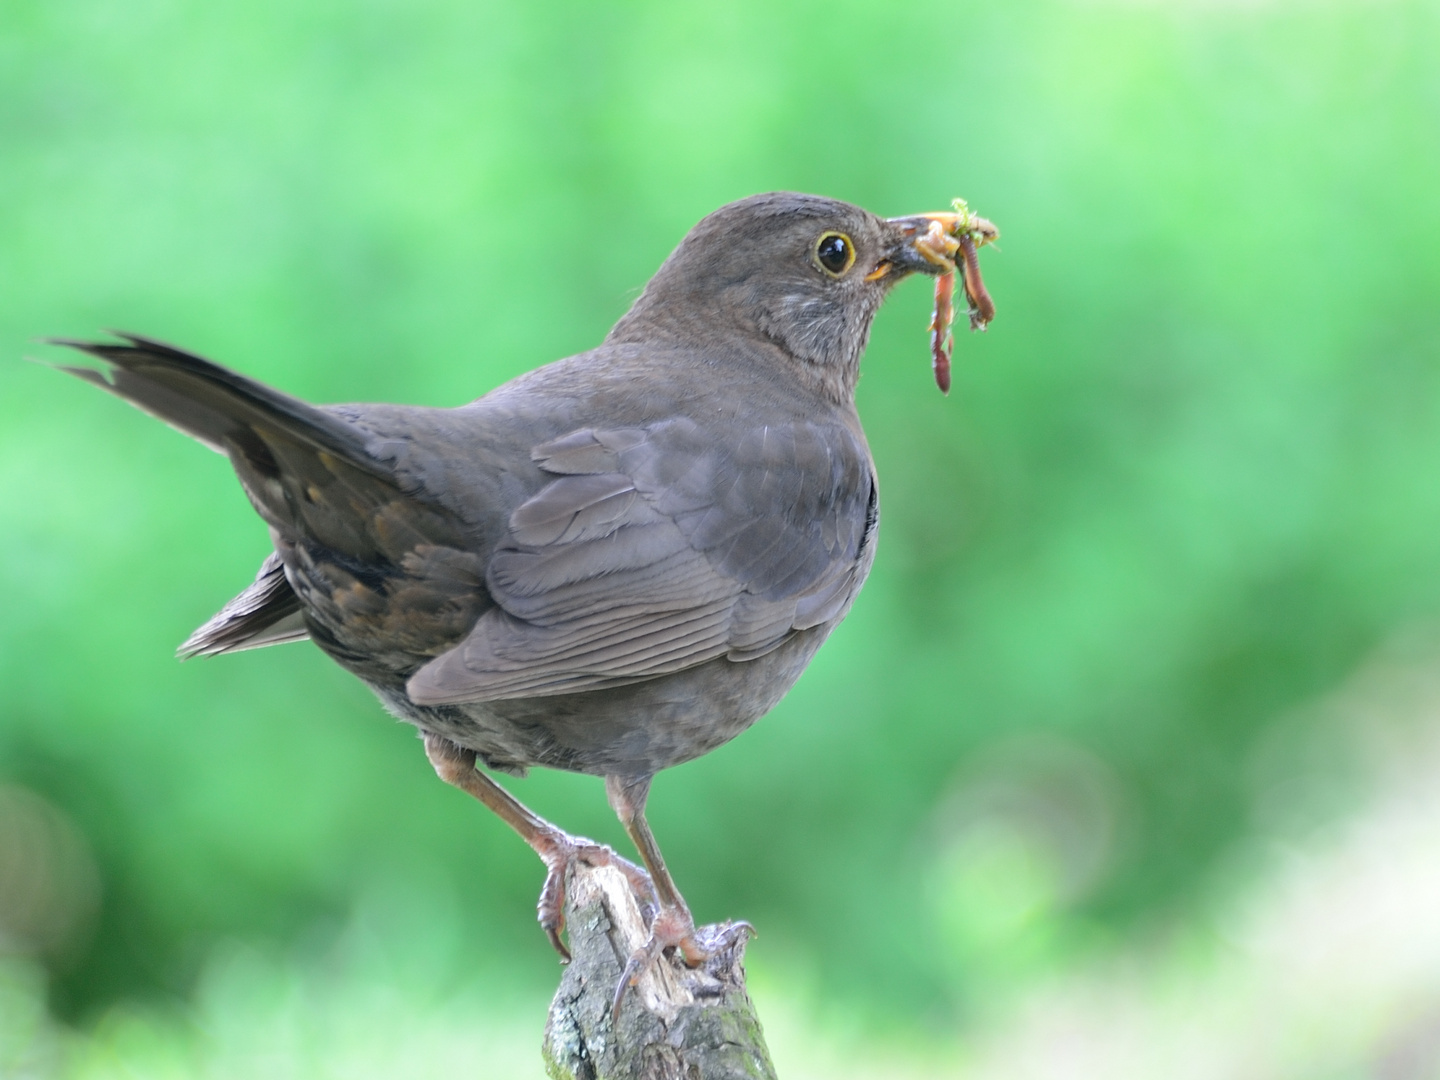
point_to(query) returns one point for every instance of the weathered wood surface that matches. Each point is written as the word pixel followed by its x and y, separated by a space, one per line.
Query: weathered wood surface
pixel 677 1024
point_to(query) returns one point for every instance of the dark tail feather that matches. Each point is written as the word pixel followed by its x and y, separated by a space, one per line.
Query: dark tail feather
pixel 266 613
pixel 223 409
pixel 306 469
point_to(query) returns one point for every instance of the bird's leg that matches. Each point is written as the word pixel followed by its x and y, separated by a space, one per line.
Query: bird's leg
pixel 673 924
pixel 627 798
pixel 556 848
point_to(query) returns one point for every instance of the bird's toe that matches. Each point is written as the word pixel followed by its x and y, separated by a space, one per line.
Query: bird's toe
pixel 674 928
pixel 564 852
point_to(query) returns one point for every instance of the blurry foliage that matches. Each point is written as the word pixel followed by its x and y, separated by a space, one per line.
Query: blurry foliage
pixel 1183 484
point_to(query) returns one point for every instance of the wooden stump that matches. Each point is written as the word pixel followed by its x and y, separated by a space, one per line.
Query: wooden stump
pixel 677 1024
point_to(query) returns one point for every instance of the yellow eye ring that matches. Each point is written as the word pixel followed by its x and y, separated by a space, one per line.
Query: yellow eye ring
pixel 834 253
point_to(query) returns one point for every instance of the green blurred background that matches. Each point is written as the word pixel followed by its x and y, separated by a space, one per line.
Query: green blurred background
pixel 1181 491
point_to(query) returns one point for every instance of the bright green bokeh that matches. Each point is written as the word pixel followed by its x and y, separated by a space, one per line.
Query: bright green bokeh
pixel 1185 483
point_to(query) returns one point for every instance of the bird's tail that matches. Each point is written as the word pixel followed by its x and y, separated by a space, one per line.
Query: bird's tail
pixel 305 469
pixel 223 409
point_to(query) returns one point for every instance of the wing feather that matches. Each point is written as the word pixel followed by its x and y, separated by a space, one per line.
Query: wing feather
pixel 654 550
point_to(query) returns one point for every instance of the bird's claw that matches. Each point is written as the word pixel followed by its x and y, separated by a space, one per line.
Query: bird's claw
pixel 564 853
pixel 674 927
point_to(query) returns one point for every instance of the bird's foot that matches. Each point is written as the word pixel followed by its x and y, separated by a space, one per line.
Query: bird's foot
pixel 674 928
pixel 560 852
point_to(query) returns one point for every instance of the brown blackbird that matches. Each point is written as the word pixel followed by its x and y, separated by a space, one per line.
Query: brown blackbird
pixel 610 565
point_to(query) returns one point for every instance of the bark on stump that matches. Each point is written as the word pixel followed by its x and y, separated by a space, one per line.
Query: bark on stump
pixel 677 1024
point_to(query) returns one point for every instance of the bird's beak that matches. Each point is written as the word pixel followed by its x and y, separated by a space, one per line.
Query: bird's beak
pixel 930 243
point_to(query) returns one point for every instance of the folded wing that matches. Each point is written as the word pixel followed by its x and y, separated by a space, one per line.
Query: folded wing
pixel 655 549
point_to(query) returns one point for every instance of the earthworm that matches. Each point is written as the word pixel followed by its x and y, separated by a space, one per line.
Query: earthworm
pixel 940 340
pixel 982 308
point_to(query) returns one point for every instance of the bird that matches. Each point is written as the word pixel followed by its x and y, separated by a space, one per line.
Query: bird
pixel 610 565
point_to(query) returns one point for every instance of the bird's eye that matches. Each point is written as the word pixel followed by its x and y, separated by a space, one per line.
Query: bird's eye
pixel 835 253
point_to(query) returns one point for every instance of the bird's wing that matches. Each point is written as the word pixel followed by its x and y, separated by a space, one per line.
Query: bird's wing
pixel 655 549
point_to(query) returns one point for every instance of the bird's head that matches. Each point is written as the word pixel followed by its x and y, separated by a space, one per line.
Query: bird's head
pixel 798 274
